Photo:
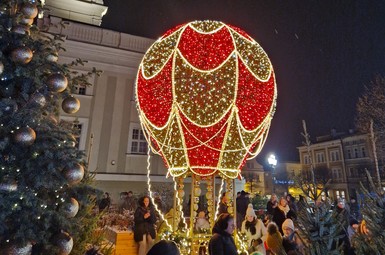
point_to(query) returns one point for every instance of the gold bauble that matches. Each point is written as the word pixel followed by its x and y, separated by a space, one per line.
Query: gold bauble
pixel 64 242
pixel 29 10
pixel 57 82
pixel 70 105
pixel 197 192
pixel 196 207
pixel 15 250
pixel 180 193
pixel 26 21
pixel 25 136
pixel 21 55
pixel 74 174
pixel 230 210
pixel 208 196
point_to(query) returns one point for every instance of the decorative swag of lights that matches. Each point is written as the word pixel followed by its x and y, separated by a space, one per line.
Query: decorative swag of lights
pixel 206 94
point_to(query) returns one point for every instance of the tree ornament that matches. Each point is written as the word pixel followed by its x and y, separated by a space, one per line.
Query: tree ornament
pixel 21 55
pixel 64 242
pixel 71 208
pixel 21 29
pixel 8 106
pixel 8 185
pixel 25 136
pixel 26 21
pixel 15 250
pixel 52 57
pixel 38 99
pixel 57 82
pixel 74 174
pixel 29 10
pixel 1 67
pixel 70 105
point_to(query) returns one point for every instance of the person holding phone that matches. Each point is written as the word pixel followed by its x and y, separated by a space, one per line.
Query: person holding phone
pixel 144 230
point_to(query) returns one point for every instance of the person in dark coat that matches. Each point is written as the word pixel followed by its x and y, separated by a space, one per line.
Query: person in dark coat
pixel 105 202
pixel 164 247
pixel 222 242
pixel 144 218
pixel 282 212
pixel 242 203
pixel 271 205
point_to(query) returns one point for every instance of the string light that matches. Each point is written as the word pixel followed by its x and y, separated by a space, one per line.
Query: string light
pixel 206 95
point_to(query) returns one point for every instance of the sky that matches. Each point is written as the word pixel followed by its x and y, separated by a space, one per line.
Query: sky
pixel 323 52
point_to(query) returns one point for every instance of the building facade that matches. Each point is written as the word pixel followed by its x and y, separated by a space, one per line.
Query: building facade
pixel 341 158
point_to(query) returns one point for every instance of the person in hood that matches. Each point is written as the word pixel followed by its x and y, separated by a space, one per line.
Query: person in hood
pixel 222 242
pixel 255 231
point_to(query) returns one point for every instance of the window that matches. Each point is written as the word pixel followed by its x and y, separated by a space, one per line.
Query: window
pixel 320 157
pixel 363 152
pixel 356 153
pixel 349 154
pixel 137 141
pixel 80 89
pixel 337 174
pixel 334 155
pixel 306 159
pixel 340 194
pixel 81 130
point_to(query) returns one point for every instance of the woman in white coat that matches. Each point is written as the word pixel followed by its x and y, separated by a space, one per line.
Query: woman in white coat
pixel 255 231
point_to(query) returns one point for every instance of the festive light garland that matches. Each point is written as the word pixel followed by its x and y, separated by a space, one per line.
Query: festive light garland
pixel 206 95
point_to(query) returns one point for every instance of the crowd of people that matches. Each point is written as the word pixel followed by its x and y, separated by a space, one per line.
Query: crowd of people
pixel 273 233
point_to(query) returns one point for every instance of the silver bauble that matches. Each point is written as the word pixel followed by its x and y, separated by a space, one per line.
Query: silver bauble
pixel 70 105
pixel 64 242
pixel 14 250
pixel 38 99
pixel 29 10
pixel 1 67
pixel 57 82
pixel 52 57
pixel 74 174
pixel 21 29
pixel 71 208
pixel 8 186
pixel 21 55
pixel 25 136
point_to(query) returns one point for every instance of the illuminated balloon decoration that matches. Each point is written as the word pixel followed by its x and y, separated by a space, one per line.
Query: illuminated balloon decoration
pixel 206 94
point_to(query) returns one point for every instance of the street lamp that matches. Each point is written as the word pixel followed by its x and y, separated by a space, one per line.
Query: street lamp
pixel 272 160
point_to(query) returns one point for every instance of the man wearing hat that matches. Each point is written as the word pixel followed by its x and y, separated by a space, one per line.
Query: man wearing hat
pixel 255 231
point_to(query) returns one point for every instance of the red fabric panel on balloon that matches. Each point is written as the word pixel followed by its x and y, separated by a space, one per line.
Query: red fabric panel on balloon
pixel 206 51
pixel 254 98
pixel 155 95
pixel 206 143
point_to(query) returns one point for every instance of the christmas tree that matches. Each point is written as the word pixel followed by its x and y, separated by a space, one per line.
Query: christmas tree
pixel 370 237
pixel 318 225
pixel 45 196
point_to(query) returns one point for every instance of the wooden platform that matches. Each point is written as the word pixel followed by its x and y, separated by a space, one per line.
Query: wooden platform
pixel 123 240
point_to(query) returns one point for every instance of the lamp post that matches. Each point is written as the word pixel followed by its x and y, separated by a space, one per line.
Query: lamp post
pixel 272 160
